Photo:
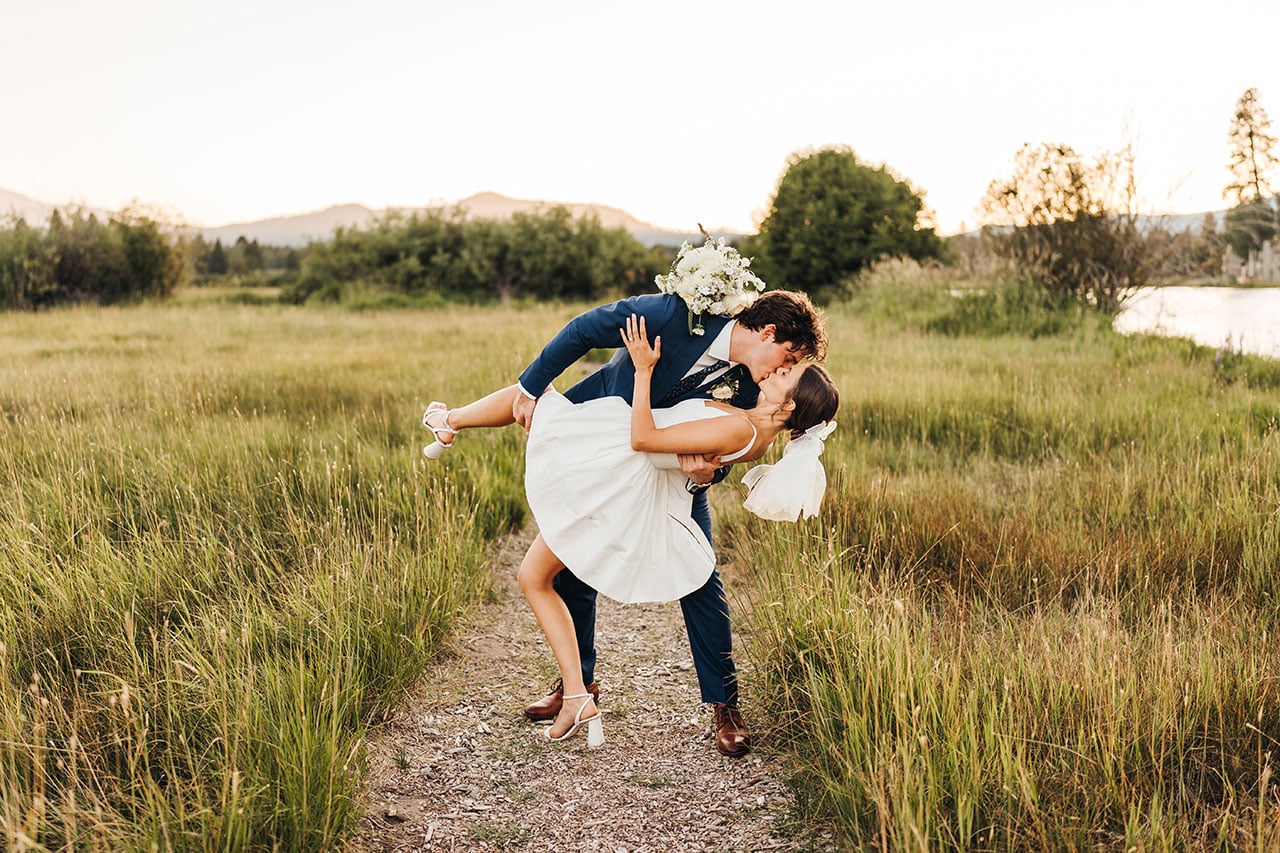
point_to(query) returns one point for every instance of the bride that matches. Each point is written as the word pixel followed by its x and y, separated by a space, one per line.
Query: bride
pixel 606 489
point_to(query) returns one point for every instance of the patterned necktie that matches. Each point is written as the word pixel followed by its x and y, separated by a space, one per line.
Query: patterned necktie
pixel 693 380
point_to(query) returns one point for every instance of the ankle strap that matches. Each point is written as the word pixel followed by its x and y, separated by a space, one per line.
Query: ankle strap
pixel 577 696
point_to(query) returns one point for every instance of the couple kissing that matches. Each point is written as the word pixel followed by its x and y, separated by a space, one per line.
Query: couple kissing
pixel 617 470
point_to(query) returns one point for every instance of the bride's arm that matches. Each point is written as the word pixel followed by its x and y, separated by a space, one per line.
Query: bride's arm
pixel 712 436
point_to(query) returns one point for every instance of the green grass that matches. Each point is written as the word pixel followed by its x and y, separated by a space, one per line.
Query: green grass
pixel 224 556
pixel 1037 611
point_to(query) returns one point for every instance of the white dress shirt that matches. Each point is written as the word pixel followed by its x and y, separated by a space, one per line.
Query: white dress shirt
pixel 718 351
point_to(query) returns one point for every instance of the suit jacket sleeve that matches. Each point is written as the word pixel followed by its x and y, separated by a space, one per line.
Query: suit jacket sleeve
pixel 594 329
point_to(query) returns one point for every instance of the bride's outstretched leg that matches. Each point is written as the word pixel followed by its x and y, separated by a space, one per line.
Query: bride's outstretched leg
pixel 539 568
pixel 492 410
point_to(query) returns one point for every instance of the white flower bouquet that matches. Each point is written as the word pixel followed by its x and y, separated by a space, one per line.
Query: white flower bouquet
pixel 711 279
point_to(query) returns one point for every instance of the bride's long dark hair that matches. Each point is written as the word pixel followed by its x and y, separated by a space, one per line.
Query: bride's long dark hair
pixel 816 400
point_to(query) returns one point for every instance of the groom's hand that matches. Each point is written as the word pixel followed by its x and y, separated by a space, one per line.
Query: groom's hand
pixel 699 468
pixel 522 410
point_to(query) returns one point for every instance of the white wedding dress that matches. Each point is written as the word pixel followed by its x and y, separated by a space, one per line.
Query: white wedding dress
pixel 617 517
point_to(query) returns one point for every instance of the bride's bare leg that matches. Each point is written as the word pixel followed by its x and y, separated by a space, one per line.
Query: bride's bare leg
pixel 537 570
pixel 493 410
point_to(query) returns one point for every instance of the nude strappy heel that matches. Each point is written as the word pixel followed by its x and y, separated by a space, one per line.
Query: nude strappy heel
pixel 594 724
pixel 436 449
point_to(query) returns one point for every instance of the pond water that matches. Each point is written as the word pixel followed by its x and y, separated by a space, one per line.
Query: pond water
pixel 1243 319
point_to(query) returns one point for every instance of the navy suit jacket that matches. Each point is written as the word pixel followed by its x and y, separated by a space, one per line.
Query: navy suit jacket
pixel 665 316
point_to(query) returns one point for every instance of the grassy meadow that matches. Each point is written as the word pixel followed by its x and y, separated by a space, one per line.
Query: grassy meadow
pixel 1036 611
pixel 223 556
pixel 1039 608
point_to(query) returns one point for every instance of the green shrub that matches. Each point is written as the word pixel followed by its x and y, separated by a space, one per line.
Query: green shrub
pixel 950 301
pixel 543 256
pixel 1004 308
pixel 77 258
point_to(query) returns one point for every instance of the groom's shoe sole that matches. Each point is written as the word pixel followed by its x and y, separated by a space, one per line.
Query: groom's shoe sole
pixel 549 706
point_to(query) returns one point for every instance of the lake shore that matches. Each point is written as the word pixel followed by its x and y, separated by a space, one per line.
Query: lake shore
pixel 1235 319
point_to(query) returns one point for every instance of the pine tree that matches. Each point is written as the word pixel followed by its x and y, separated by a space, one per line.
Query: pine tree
pixel 1252 162
pixel 217 259
pixel 1253 159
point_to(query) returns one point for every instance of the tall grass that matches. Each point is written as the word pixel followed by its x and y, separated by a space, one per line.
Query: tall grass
pixel 224 557
pixel 1037 610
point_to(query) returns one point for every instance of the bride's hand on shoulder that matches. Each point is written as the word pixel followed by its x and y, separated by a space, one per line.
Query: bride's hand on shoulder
pixel 634 335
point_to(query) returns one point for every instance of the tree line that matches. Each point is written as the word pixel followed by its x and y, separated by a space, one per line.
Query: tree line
pixel 245 257
pixel 1070 224
pixel 441 254
pixel 1064 223
pixel 80 258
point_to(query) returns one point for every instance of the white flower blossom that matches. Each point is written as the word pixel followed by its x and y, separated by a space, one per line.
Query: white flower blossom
pixel 725 390
pixel 711 279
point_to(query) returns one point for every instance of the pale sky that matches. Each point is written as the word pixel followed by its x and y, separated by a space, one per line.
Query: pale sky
pixel 677 112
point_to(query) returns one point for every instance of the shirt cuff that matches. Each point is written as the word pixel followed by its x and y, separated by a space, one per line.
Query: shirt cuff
pixel 524 392
pixel 695 488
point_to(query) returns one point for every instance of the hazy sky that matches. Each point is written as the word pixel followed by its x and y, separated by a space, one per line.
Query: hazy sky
pixel 678 112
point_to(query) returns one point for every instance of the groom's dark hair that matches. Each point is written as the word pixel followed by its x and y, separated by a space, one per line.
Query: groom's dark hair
pixel 797 322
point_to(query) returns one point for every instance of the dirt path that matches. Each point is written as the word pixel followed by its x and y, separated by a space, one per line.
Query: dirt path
pixel 458 767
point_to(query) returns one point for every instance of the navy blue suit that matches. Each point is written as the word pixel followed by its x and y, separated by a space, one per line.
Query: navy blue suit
pixel 706 613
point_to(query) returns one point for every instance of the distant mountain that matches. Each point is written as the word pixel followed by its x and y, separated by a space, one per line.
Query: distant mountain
pixel 34 212
pixel 1176 222
pixel 299 229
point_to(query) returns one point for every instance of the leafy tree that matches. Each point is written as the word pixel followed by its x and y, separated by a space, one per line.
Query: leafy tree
pixel 1249 225
pixel 198 254
pixel 832 216
pixel 1069 224
pixel 90 262
pixel 78 258
pixel 26 267
pixel 153 266
pixel 245 256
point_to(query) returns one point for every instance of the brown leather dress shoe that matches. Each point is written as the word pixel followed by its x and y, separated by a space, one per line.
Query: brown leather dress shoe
pixel 548 706
pixel 732 737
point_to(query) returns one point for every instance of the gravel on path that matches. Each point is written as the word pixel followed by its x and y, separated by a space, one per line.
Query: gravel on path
pixel 458 767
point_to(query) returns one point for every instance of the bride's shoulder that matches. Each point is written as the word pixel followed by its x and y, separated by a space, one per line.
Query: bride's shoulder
pixel 738 418
pixel 723 407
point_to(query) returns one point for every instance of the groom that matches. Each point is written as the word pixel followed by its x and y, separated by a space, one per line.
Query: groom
pixel 726 362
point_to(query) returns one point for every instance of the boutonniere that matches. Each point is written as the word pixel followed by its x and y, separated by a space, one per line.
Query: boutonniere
pixel 724 390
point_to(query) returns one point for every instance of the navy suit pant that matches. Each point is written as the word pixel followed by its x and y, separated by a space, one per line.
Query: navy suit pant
pixel 706 619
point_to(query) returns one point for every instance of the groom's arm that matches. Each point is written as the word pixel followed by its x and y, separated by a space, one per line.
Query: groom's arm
pixel 594 329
